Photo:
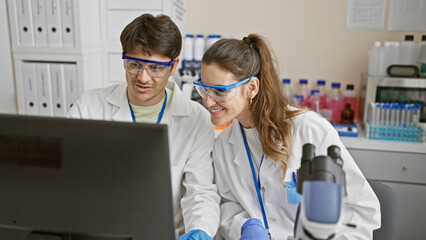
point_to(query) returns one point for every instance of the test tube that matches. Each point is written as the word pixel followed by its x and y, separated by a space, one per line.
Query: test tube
pixel 392 114
pixel 397 114
pixel 416 114
pixel 382 114
pixel 387 114
pixel 408 115
pixel 377 115
pixel 403 111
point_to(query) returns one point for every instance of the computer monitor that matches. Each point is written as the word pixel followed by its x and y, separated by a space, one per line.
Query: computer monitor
pixel 68 179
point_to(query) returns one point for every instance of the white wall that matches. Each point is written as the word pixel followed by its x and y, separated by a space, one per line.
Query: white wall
pixel 308 36
pixel 7 84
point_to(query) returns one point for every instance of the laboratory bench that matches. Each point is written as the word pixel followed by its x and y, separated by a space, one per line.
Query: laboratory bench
pixel 402 166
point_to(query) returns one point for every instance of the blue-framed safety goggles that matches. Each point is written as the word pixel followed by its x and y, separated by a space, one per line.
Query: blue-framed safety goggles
pixel 219 93
pixel 154 68
pixel 123 56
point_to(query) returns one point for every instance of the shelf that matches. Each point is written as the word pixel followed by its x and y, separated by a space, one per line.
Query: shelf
pixel 363 143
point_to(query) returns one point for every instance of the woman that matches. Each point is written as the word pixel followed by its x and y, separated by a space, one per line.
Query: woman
pixel 263 145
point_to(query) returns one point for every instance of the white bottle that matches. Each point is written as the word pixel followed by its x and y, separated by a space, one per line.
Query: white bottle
pixel 199 47
pixel 394 55
pixel 421 59
pixel 211 39
pixel 314 101
pixel 302 92
pixel 387 58
pixel 188 48
pixel 287 88
pixel 375 60
pixel 407 51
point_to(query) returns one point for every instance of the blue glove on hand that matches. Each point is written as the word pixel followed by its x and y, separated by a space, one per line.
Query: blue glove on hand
pixel 196 234
pixel 253 229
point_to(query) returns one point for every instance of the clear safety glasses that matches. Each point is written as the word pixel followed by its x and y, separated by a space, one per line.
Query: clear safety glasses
pixel 153 68
pixel 218 93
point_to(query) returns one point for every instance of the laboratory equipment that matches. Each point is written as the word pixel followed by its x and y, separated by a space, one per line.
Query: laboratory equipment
pixel 199 47
pixel 395 90
pixel 350 96
pixel 322 183
pixel 334 102
pixel 301 92
pixel 287 88
pixel 84 179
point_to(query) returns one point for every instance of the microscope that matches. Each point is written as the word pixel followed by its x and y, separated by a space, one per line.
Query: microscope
pixel 322 184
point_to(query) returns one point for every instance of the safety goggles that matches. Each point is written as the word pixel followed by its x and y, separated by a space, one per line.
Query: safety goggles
pixel 218 93
pixel 153 68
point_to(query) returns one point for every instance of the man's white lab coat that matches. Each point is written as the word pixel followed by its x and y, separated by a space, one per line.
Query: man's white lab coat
pixel 191 138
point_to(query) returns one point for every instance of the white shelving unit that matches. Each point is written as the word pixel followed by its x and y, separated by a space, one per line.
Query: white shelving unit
pixel 96 28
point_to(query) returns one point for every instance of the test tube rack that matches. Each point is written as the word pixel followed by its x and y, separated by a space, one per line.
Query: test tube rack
pixel 392 133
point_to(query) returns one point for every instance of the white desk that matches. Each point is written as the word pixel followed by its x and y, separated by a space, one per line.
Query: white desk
pixel 402 166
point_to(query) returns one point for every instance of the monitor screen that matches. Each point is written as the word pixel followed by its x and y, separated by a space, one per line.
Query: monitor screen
pixel 68 179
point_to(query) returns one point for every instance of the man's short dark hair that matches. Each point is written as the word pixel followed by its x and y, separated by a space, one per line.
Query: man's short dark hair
pixel 152 35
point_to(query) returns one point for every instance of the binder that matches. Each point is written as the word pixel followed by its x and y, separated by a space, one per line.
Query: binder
pixel 38 8
pixel 53 18
pixel 71 84
pixel 44 89
pixel 30 88
pixel 23 14
pixel 67 23
pixel 58 89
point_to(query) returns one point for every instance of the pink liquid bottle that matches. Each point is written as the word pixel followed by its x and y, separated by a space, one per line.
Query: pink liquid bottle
pixel 334 102
pixel 322 94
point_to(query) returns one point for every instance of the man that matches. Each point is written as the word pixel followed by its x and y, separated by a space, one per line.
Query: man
pixel 151 46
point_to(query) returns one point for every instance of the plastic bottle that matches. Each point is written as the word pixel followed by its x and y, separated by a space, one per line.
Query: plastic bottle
pixel 335 102
pixel 322 93
pixel 188 48
pixel 302 92
pixel 408 51
pixel 287 88
pixel 199 47
pixel 350 97
pixel 314 101
pixel 421 59
pixel 211 39
pixel 376 60
pixel 391 51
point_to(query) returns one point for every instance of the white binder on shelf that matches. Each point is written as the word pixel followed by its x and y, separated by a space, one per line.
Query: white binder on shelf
pixel 67 18
pixel 53 18
pixel 39 22
pixel 71 84
pixel 30 88
pixel 44 89
pixel 23 15
pixel 58 89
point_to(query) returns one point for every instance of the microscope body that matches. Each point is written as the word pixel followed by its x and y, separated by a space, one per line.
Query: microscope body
pixel 322 184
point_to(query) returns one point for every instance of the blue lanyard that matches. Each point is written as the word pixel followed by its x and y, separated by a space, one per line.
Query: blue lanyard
pixel 256 183
pixel 160 116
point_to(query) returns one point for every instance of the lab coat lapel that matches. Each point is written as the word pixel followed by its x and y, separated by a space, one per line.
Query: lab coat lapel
pixel 268 168
pixel 118 99
pixel 241 158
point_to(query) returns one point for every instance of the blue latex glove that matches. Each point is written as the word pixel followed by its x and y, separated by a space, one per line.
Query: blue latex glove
pixel 195 234
pixel 253 229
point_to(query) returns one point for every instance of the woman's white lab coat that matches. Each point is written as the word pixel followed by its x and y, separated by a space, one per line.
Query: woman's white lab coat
pixel 191 138
pixel 239 200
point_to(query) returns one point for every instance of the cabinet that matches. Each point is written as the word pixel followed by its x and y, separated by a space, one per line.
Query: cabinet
pixel 402 166
pixel 72 34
